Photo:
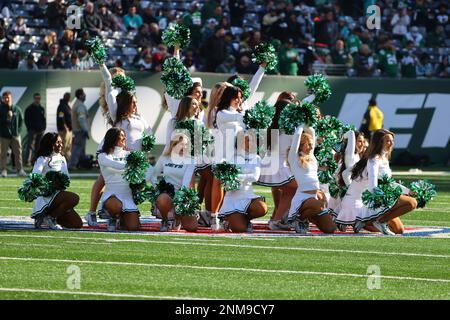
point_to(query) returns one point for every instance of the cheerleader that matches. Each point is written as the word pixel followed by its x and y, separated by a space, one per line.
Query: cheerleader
pixel 117 200
pixel 309 201
pixel 242 205
pixel 123 114
pixel 58 209
pixel 177 168
pixel 373 165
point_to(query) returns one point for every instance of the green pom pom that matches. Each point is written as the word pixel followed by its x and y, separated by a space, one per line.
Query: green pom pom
pixel 293 115
pixel 34 186
pixel 137 165
pixel 58 180
pixel 141 192
pixel 186 202
pixel 260 116
pixel 148 142
pixel 124 83
pixel 199 135
pixel 227 173
pixel 176 78
pixel 337 191
pixel 423 192
pixel 243 85
pixel 265 52
pixel 96 50
pixel 162 187
pixel 318 85
pixel 176 34
pixel 328 125
pixel 384 196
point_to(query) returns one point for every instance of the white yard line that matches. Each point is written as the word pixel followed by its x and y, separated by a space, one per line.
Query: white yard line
pixel 160 265
pixel 99 294
pixel 246 246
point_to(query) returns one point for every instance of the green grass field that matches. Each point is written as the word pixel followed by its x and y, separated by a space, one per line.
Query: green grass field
pixel 34 264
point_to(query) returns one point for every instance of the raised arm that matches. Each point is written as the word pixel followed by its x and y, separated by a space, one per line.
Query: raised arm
pixel 256 80
pixel 312 132
pixel 350 149
pixel 372 171
pixel 105 160
pixel 110 92
pixel 172 104
pixel 292 156
pixel 309 98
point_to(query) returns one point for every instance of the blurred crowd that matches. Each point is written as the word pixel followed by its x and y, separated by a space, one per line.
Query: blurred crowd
pixel 329 37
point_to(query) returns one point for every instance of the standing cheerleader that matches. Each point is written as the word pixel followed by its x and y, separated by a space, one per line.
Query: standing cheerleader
pixel 123 114
pixel 309 201
pixel 177 168
pixel 242 205
pixel 117 200
pixel 373 165
pixel 58 209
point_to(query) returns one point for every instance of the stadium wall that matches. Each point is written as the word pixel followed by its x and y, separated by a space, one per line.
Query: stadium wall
pixel 417 110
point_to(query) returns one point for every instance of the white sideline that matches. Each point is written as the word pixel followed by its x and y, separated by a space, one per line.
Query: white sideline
pixel 104 294
pixel 406 254
pixel 159 265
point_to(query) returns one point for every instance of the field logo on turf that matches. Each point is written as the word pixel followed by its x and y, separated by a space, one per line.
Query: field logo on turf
pixel 74 280
pixel 373 279
pixel 74 14
pixel 373 17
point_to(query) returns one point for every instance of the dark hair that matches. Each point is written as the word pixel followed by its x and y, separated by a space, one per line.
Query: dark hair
pixel 124 102
pixel 341 181
pixel 191 90
pixel 372 102
pixel 110 140
pixel 79 93
pixel 37 94
pixel 232 78
pixel 279 106
pixel 66 96
pixel 228 94
pixel 46 145
pixel 183 108
pixel 375 149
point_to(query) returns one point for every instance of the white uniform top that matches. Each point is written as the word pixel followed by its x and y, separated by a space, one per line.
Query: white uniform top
pixel 253 85
pixel 134 126
pixel 250 171
pixel 171 128
pixel 376 168
pixel 306 178
pixel 178 173
pixel 55 162
pixel 351 158
pixel 112 167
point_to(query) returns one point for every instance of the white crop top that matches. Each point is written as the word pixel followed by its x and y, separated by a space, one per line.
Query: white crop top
pixel 178 173
pixel 56 162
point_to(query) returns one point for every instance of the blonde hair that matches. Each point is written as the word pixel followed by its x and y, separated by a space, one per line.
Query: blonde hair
pixel 176 139
pixel 48 39
pixel 304 159
pixel 214 98
pixel 68 34
pixel 102 101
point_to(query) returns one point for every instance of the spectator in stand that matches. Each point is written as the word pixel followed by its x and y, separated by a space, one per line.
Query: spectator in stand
pixel 419 15
pixel 209 29
pixel 11 121
pixel 293 28
pixel 73 63
pixel 146 63
pixel 8 58
pixel 436 38
pixel 400 22
pixel 364 62
pixel 193 20
pixel 49 39
pixel 86 62
pixel 80 43
pixel 414 36
pixel 36 124
pixel 354 41
pixel 54 52
pixel 67 39
pixel 189 60
pixel 80 129
pixel 218 13
pixel 66 56
pixel 442 17
pixel 28 64
pixel 307 56
pixel 269 20
pixel 228 66
pixel 39 10
pixel 207 11
pixel 255 39
pixel 132 20
pixel 288 59
pixel 245 65
pixel 44 61
pixel 408 61
pixel 338 55
pixel 19 27
pixel 213 50
pixel 148 15
pixel 424 67
pixel 155 34
pixel 327 30
pixel 237 10
pixel 107 18
pixel 387 59
pixel 64 124
pixel 372 120
pixel 91 20
pixel 56 15
pixel 142 38
pixel 443 69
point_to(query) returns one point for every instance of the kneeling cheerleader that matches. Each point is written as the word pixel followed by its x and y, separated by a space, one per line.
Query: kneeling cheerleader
pixel 177 168
pixel 117 200
pixel 241 204
pixel 309 202
pixel 54 206
pixel 366 173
